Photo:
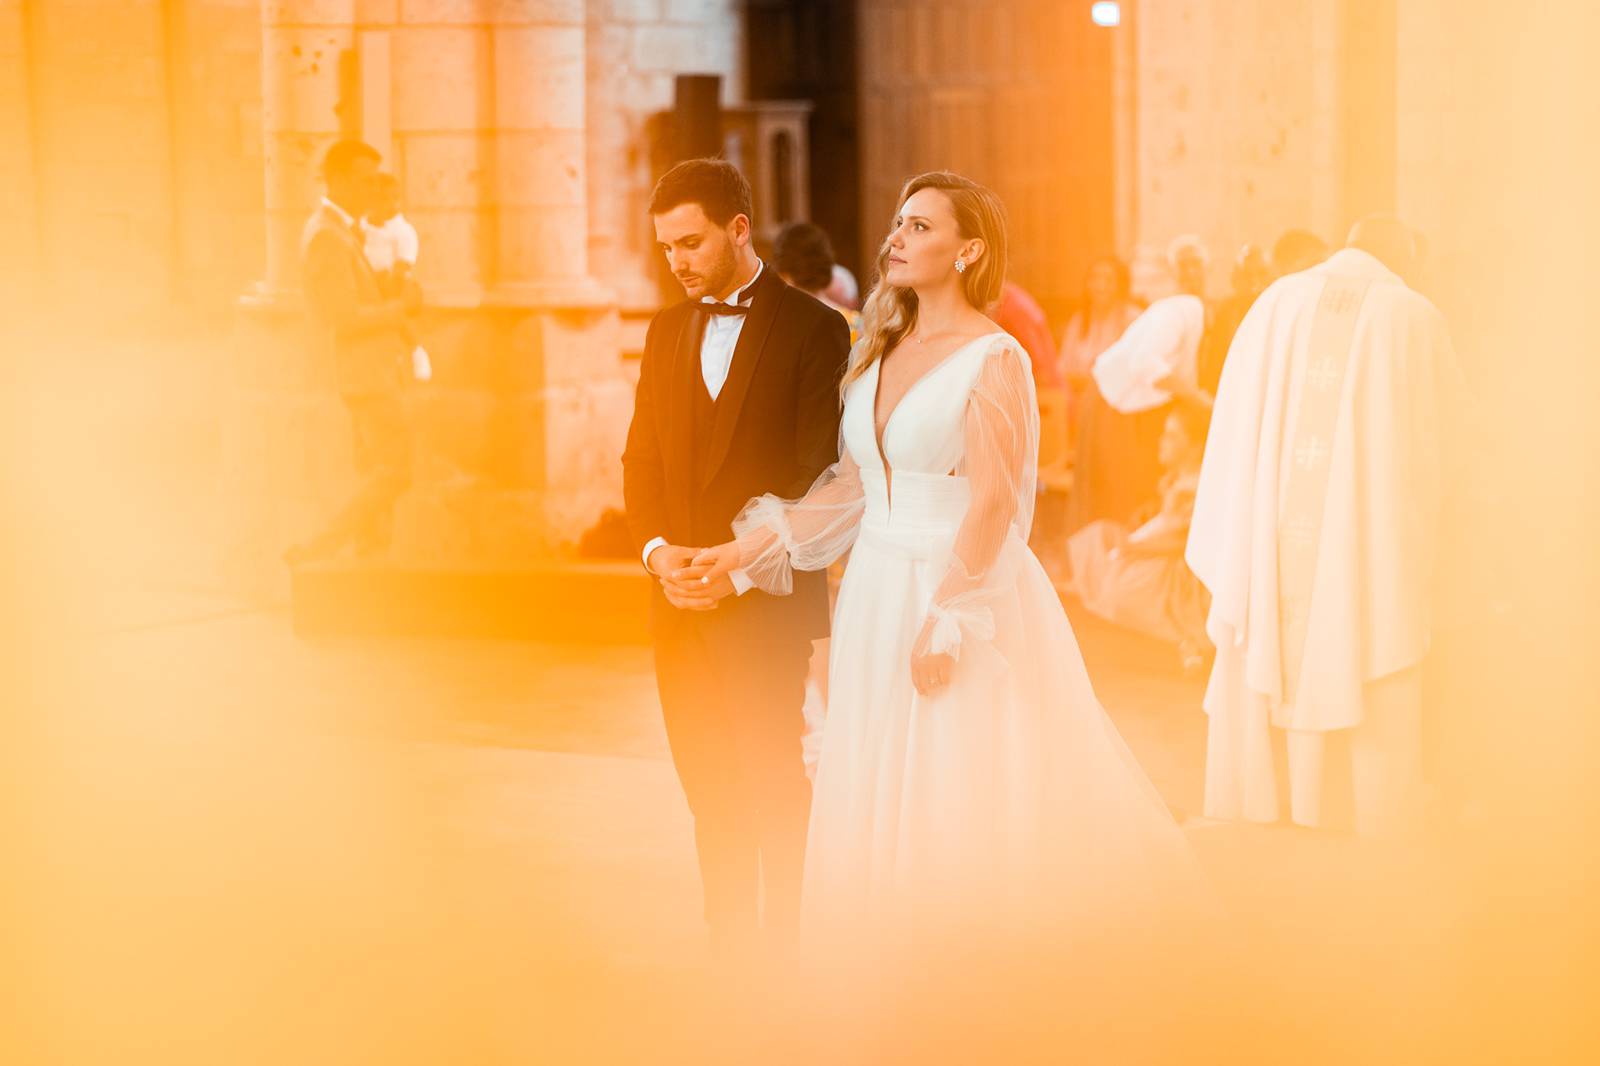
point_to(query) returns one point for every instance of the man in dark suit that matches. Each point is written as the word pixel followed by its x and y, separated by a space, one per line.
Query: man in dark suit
pixel 363 333
pixel 738 397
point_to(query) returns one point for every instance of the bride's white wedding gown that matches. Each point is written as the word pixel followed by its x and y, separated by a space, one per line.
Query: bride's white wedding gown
pixel 1008 794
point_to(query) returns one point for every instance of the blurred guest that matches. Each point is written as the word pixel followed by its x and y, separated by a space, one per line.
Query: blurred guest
pixel 364 333
pixel 1251 275
pixel 1188 259
pixel 1295 251
pixel 804 258
pixel 390 240
pixel 1020 315
pixel 1158 355
pixel 1138 579
pixel 1107 310
pixel 1314 530
pixel 843 289
pixel 391 247
pixel 1135 380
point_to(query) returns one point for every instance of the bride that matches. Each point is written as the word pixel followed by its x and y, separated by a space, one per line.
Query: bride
pixel 968 773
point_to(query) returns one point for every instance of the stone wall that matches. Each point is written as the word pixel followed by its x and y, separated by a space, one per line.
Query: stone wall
pixel 1237 134
pixel 214 67
pixel 1469 166
pixel 96 95
pixel 636 47
pixel 1494 166
pixel 130 163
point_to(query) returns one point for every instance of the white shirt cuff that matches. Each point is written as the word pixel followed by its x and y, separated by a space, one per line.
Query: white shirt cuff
pixel 656 542
pixel 741 582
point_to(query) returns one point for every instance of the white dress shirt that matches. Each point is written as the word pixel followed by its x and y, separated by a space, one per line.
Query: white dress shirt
pixel 722 336
pixel 393 242
pixel 716 359
pixel 386 246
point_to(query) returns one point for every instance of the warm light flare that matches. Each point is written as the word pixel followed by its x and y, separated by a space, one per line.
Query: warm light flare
pixel 416 803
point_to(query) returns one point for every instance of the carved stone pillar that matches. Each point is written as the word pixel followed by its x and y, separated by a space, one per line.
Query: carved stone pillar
pixel 302 42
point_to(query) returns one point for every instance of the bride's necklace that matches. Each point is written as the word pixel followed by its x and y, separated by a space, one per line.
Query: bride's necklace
pixel 926 337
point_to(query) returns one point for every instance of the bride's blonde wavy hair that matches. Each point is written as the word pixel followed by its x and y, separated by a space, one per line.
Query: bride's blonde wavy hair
pixel 890 311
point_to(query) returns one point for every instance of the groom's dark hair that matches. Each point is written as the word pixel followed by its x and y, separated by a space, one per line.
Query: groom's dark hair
pixel 341 158
pixel 715 184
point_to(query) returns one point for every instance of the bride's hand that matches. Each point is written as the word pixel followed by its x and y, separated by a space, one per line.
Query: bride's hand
pixel 929 673
pixel 715 563
pixel 721 559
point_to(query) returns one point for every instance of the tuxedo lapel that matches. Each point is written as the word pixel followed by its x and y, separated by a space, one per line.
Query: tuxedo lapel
pixel 683 378
pixel 764 301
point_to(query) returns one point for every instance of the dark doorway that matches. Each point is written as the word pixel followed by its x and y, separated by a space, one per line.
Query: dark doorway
pixel 1016 94
pixel 806 50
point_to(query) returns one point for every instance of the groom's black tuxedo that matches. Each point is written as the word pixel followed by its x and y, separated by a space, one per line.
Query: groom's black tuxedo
pixel 732 680
pixel 692 464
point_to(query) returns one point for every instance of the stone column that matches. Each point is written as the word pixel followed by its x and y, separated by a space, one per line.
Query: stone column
pixel 520 434
pixel 565 402
pixel 540 194
pixel 439 86
pixel 301 41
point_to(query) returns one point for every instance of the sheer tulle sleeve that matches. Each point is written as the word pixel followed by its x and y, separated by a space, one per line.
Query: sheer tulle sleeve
pixel 1001 465
pixel 778 536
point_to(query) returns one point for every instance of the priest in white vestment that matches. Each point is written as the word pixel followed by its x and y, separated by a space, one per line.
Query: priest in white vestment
pixel 1314 530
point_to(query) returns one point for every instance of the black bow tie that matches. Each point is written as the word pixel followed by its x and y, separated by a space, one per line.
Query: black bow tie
pixel 722 308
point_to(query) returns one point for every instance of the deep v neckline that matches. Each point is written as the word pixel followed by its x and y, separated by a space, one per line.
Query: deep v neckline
pixel 881 435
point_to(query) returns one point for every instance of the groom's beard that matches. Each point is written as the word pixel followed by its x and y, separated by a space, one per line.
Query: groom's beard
pixel 710 283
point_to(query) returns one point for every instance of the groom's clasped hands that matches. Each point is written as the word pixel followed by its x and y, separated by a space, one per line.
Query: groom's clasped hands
pixel 694 579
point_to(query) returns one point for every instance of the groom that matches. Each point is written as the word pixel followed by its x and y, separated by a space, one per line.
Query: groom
pixel 738 397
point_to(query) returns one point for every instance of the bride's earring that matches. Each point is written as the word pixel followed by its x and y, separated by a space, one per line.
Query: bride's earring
pixel 961 266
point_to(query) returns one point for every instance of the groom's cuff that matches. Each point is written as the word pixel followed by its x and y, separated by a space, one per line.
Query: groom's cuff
pixel 657 542
pixel 741 582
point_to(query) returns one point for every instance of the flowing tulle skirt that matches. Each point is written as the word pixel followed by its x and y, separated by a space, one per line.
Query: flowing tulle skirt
pixel 1006 801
